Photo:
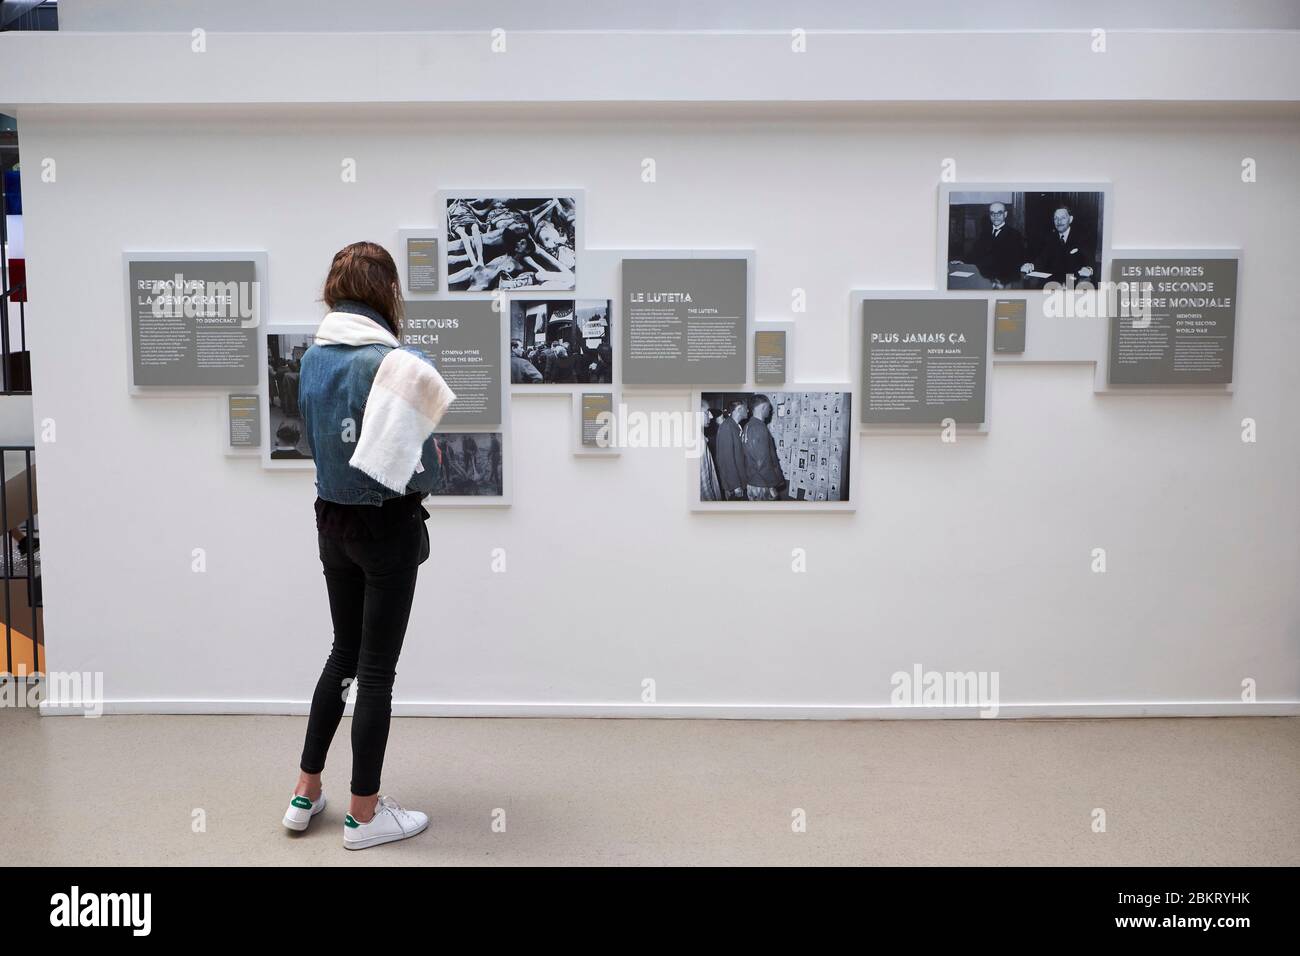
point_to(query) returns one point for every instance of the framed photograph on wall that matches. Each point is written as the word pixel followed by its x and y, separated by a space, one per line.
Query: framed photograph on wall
pixel 283 433
pixel 788 449
pixel 511 240
pixel 560 344
pixel 473 466
pixel 1022 236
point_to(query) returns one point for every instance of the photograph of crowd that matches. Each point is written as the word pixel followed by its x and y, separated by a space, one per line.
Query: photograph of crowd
pixel 471 463
pixel 284 363
pixel 561 341
pixel 1023 239
pixel 526 243
pixel 775 446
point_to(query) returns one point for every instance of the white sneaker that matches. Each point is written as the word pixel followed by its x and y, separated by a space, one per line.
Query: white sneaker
pixel 389 823
pixel 301 810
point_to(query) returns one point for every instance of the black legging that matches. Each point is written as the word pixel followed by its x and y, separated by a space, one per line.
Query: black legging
pixel 371 583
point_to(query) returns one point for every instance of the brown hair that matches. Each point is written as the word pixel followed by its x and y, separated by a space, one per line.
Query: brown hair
pixel 365 272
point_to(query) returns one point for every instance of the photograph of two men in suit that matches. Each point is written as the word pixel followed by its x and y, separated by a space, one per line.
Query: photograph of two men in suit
pixel 1023 240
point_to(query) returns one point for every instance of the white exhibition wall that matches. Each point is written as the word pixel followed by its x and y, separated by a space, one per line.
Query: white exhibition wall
pixel 969 556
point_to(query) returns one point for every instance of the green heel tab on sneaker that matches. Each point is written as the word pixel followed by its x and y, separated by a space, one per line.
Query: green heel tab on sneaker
pixel 349 822
pixel 302 803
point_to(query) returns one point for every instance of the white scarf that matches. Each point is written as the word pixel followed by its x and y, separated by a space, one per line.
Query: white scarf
pixel 407 400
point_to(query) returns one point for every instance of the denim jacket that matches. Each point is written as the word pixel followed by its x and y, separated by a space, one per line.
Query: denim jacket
pixel 332 391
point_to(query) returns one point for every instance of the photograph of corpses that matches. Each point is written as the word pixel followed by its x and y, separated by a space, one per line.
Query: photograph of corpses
pixel 500 243
pixel 560 342
pixel 775 446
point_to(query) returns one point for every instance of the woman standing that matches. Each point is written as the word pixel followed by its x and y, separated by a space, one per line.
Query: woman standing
pixel 371 475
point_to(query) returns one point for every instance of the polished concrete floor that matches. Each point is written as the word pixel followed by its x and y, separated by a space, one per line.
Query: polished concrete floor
pixel 133 790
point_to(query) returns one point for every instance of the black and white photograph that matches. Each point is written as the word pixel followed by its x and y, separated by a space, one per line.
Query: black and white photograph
pixel 561 342
pixel 896 397
pixel 288 437
pixel 504 243
pixel 471 463
pixel 1019 238
pixel 775 446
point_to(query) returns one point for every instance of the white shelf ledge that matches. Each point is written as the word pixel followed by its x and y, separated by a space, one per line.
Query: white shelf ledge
pixel 1031 67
